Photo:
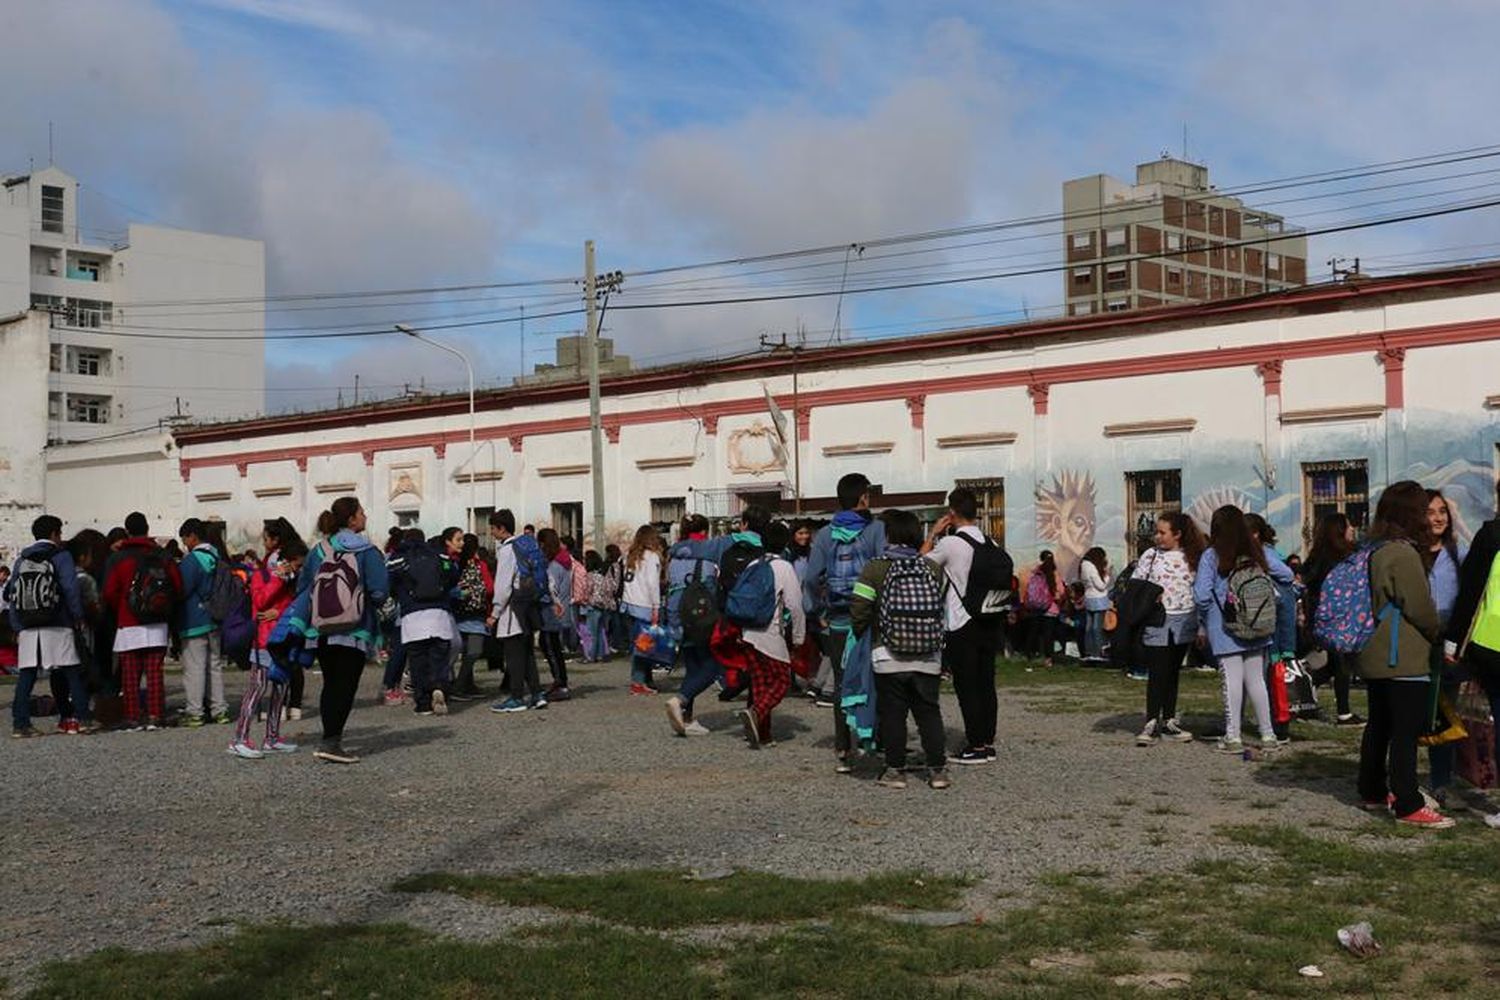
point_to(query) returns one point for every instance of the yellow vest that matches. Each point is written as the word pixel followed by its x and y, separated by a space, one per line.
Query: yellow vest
pixel 1486 628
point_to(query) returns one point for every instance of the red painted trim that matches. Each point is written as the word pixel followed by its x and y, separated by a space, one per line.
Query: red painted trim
pixel 1314 298
pixel 1039 378
pixel 1393 360
pixel 301 460
pixel 243 468
pixel 1039 392
pixel 710 423
pixel 612 430
pixel 516 441
pixel 1270 374
pixel 918 407
pixel 369 456
pixel 804 424
pixel 440 450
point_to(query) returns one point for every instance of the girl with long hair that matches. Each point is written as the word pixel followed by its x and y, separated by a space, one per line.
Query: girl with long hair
pixel 342 656
pixel 1171 565
pixel 556 614
pixel 1093 573
pixel 272 590
pixel 1442 580
pixel 1044 585
pixel 476 584
pixel 1397 660
pixel 1333 542
pixel 641 600
pixel 1242 662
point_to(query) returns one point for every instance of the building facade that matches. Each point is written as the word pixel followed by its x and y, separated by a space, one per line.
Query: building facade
pixel 24 339
pixel 1170 238
pixel 139 335
pixel 1075 432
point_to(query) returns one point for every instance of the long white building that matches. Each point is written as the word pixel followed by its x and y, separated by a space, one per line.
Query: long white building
pixel 142 320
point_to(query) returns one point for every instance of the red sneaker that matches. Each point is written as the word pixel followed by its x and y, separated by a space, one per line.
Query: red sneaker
pixel 644 689
pixel 1428 819
pixel 68 727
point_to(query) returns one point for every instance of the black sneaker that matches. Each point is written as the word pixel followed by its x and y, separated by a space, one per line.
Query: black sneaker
pixel 24 733
pixel 1352 719
pixel 974 755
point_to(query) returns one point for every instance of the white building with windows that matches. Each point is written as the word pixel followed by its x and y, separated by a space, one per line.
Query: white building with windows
pixel 147 324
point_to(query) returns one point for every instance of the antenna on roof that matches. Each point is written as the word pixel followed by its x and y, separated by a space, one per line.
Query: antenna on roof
pixel 1184 140
pixel 49 144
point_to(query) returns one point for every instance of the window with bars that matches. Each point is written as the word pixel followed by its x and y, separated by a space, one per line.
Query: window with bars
pixel 52 209
pixel 87 362
pixel 408 519
pixel 1335 488
pixel 88 409
pixel 990 492
pixel 1149 495
pixel 667 511
pixel 88 313
pixel 567 519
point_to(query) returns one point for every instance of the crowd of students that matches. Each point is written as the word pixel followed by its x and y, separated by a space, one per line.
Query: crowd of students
pixel 867 614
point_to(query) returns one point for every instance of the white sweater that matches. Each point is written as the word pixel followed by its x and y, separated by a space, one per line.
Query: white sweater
pixel 771 642
pixel 1094 583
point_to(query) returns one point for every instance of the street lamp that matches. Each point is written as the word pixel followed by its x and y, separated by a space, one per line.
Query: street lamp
pixel 473 451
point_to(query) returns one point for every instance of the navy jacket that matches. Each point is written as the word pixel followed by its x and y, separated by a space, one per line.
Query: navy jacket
pixel 70 611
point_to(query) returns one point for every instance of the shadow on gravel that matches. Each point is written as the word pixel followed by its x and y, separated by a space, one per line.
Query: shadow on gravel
pixel 1123 722
pixel 373 743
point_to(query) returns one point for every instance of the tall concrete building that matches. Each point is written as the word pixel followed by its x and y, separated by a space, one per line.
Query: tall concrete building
pixel 573 361
pixel 1212 246
pixel 140 321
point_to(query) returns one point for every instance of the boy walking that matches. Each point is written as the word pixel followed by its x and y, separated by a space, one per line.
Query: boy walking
pixel 765 581
pixel 45 610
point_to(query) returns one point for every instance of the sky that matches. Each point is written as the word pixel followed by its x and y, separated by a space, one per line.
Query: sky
pixel 381 145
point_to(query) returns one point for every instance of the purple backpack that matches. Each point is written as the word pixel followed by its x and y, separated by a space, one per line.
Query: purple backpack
pixel 1346 620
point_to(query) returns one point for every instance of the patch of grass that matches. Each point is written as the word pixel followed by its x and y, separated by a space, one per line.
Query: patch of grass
pixel 661 899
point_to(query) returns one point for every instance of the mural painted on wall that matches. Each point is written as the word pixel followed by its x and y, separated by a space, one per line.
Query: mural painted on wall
pixel 1066 518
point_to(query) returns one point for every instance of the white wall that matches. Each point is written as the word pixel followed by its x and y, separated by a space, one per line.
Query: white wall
pixel 15 251
pixel 94 484
pixel 23 429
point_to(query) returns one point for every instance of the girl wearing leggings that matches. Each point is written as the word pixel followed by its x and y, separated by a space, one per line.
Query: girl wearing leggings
pixel 272 588
pixel 1242 662
pixel 1170 565
pixel 343 655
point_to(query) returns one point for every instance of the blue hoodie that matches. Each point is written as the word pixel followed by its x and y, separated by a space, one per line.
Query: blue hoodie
pixel 1210 590
pixel 372 574
pixel 70 611
pixel 856 527
pixel 197 569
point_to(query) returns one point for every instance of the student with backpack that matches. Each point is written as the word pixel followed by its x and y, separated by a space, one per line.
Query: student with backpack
pixel 74 719
pixel 142 591
pixel 557 613
pixel 273 586
pixel 1166 634
pixel 422 579
pixel 837 556
pixel 761 596
pixel 1043 601
pixel 1333 542
pixel 980 594
pixel 46 611
pixel 693 611
pixel 600 603
pixel 900 595
pixel 641 600
pixel 1395 658
pixel 202 667
pixel 1235 596
pixel 347 577
pixel 476 590
pixel 512 613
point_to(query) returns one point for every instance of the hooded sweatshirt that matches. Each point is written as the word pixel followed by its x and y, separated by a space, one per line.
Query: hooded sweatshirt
pixel 372 574
pixel 856 527
pixel 69 610
pixel 197 568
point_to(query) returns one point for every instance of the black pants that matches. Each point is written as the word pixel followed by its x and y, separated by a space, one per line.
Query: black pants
pixel 552 649
pixel 1341 671
pixel 1164 671
pixel 895 696
pixel 427 659
pixel 1398 715
pixel 969 656
pixel 296 686
pixel 833 642
pixel 1043 633
pixel 342 666
pixel 520 665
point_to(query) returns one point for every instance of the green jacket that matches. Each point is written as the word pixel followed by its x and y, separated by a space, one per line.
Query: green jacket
pixel 864 608
pixel 1398 576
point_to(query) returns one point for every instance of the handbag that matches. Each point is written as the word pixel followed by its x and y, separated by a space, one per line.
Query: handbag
pixel 1449 728
pixel 1111 619
pixel 657 644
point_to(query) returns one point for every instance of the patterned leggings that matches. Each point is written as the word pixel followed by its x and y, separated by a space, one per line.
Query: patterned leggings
pixel 255 687
pixel 133 664
pixel 770 680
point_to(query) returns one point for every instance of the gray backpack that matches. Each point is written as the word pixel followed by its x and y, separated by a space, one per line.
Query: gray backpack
pixel 1249 606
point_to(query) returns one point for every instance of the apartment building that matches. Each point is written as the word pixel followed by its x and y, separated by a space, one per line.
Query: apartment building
pixel 1170 238
pixel 147 324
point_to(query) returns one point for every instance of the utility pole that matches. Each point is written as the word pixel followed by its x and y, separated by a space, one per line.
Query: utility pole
pixel 796 350
pixel 593 289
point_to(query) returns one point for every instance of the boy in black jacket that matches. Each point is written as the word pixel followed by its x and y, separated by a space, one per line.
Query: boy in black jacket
pixel 424 581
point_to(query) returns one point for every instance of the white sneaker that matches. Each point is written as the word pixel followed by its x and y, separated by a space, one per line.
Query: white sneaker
pixel 1493 821
pixel 696 728
pixel 245 750
pixel 1148 735
pixel 294 714
pixel 439 703
pixel 675 716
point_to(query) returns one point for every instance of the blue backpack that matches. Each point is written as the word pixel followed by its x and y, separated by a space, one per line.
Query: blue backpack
pixel 845 566
pixel 1346 620
pixel 531 563
pixel 751 601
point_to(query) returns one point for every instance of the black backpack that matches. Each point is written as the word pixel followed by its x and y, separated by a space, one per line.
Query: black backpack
pixel 699 607
pixel 35 591
pixel 732 563
pixel 424 574
pixel 988 596
pixel 151 596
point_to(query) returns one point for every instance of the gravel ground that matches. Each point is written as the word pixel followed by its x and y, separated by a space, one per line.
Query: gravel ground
pixel 158 839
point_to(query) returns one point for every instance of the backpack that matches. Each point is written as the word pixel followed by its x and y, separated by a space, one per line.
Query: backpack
pixel 1250 600
pixel 238 627
pixel 845 566
pixel 732 563
pixel 530 588
pixel 988 595
pixel 1038 595
pixel 476 598
pixel 698 609
pixel 151 596
pixel 604 589
pixel 1345 618
pixel 424 575
pixel 338 593
pixel 910 608
pixel 35 592
pixel 227 592
pixel 751 602
pixel 580 582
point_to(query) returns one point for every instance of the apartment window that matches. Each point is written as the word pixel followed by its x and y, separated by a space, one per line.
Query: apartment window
pixel 991 495
pixel 54 406
pixel 1273 262
pixel 567 519
pixel 1081 241
pixel 87 362
pixel 84 270
pixel 55 358
pixel 1174 241
pixel 52 209
pixel 1082 308
pixel 1174 278
pixel 1116 305
pixel 408 519
pixel 1149 495
pixel 1083 276
pixel 88 409
pixel 88 313
pixel 1114 241
pixel 1335 488
pixel 1116 277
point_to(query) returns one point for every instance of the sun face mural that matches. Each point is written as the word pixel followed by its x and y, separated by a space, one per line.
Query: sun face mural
pixel 1066 518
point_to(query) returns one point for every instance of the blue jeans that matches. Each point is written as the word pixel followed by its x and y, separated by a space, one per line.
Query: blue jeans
pixel 596 624
pixel 395 662
pixel 701 670
pixel 78 690
pixel 1093 633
